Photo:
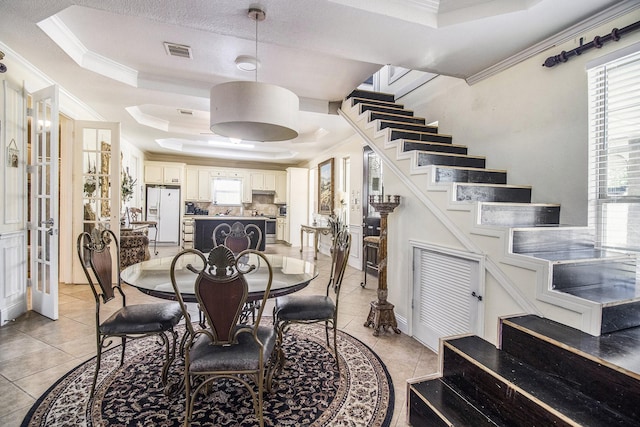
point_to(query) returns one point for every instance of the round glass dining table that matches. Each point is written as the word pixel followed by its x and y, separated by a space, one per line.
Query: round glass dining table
pixel 153 277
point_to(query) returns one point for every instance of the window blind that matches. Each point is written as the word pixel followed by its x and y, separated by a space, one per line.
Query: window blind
pixel 614 152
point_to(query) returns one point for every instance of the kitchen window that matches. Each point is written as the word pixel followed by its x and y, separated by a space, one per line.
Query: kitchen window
pixel 227 191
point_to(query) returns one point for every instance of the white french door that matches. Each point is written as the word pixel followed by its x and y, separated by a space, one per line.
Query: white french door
pixel 97 169
pixel 44 219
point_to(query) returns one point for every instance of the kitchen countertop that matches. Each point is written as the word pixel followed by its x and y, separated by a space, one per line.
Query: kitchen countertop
pixel 225 217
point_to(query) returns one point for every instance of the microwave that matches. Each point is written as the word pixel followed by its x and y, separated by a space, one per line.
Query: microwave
pixel 282 210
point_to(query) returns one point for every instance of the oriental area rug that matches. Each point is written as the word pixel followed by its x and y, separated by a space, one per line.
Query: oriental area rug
pixel 309 391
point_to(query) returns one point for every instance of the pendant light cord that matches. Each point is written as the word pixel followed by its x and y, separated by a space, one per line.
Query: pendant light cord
pixel 257 61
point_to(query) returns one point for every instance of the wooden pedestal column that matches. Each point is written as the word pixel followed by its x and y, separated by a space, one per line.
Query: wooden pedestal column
pixel 381 314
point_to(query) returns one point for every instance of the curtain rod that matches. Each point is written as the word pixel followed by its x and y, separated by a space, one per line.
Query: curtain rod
pixel 597 42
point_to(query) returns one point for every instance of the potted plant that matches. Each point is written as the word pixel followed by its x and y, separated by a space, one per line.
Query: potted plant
pixel 127 186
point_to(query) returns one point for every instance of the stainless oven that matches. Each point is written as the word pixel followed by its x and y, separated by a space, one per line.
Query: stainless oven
pixel 270 230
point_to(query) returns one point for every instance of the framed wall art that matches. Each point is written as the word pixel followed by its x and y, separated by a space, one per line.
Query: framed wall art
pixel 325 187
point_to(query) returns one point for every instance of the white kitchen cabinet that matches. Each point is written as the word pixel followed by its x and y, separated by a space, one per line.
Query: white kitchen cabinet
pixel 218 173
pixel 204 185
pixel 191 184
pixel 263 181
pixel 281 188
pixel 163 173
pixel 247 195
pixel 281 226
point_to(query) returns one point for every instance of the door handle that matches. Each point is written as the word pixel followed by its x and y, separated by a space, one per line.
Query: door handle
pixel 48 222
pixel 50 231
pixel 473 294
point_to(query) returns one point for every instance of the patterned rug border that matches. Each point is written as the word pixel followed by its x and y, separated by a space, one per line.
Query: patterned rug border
pixel 386 422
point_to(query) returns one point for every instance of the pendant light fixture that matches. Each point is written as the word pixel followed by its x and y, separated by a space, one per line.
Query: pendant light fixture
pixel 254 111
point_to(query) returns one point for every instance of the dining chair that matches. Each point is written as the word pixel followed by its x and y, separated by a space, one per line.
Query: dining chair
pixel 237 237
pixel 290 309
pixel 225 348
pixel 128 321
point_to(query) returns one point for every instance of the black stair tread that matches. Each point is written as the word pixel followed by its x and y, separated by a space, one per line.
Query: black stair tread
pixel 540 386
pixel 457 410
pixel 573 255
pixel 617 350
pixel 470 168
pixel 609 293
pixel 417 142
pixel 482 184
pixel 358 100
pixel 417 134
pixel 377 115
pixel 408 127
pixel 440 153
pixel 390 108
pixel 370 94
pixel 516 204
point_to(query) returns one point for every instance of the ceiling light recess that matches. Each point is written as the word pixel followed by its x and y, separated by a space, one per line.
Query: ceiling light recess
pixel 254 111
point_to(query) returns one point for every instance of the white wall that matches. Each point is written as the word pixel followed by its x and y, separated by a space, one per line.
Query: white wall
pixel 530 120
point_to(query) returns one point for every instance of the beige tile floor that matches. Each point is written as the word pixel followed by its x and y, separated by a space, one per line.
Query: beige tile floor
pixel 36 351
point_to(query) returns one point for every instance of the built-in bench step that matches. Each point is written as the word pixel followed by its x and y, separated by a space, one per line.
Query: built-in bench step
pixel 519 214
pixel 504 387
pixel 378 96
pixel 409 145
pixel 403 126
pixel 434 403
pixel 601 367
pixel 376 115
pixel 464 174
pixel 419 136
pixel 472 192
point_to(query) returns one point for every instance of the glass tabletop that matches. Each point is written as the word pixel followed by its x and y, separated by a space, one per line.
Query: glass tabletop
pixel 153 277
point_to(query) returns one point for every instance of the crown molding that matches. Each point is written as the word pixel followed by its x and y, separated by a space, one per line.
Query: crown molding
pixel 588 24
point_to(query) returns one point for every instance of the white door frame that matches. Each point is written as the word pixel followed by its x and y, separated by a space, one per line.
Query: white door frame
pixel 44 220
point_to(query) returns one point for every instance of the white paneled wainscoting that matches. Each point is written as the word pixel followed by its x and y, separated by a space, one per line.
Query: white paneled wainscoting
pixel 13 265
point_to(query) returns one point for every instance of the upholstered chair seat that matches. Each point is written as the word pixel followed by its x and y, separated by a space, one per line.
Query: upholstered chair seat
pixel 206 357
pixel 305 307
pixel 142 319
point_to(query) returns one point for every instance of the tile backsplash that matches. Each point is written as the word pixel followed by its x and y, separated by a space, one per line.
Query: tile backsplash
pixel 261 203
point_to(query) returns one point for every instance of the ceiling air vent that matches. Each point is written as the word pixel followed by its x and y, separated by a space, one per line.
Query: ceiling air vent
pixel 185 112
pixel 180 50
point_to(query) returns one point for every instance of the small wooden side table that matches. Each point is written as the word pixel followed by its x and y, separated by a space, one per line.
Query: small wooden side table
pixel 316 230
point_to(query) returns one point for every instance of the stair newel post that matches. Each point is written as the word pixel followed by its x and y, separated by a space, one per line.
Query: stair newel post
pixel 381 314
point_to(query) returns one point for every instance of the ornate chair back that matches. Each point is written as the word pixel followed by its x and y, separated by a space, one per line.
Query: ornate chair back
pixel 339 259
pixel 237 237
pixel 97 263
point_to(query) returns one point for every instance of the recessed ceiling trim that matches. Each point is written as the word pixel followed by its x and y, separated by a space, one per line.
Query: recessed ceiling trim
pixel 147 120
pixel 72 46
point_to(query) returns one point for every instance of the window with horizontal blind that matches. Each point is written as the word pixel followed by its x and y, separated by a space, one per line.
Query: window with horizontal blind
pixel 227 191
pixel 614 152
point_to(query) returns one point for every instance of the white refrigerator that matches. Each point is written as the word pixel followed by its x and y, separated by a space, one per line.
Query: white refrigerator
pixel 163 206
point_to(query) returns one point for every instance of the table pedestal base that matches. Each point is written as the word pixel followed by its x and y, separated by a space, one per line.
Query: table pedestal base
pixel 381 316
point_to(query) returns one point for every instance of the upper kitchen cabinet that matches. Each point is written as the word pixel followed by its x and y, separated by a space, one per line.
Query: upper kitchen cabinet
pixel 163 173
pixel 263 181
pixel 191 183
pixel 281 188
